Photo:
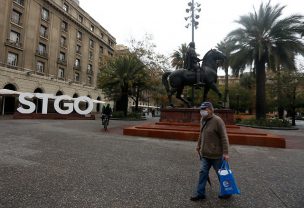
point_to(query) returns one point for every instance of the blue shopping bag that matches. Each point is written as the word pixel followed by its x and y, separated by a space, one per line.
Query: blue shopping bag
pixel 227 182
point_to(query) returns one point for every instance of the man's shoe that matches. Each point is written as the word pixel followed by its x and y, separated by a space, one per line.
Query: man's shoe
pixel 224 196
pixel 197 198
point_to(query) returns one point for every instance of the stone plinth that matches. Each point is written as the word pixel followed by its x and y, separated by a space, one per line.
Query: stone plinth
pixel 192 115
pixel 184 124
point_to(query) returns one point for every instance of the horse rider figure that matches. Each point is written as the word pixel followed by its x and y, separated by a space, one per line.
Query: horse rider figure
pixel 191 62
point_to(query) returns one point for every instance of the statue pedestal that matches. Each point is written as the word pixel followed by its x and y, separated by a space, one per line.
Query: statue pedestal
pixel 192 115
pixel 184 124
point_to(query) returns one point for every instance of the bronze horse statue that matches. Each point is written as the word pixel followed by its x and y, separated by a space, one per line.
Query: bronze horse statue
pixel 175 81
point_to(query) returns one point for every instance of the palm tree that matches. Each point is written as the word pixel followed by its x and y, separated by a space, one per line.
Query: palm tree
pixel 226 46
pixel 178 57
pixel 117 77
pixel 261 36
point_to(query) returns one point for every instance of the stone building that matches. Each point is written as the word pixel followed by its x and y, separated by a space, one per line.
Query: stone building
pixel 50 46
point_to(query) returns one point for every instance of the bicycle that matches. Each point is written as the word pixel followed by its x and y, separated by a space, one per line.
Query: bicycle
pixel 105 122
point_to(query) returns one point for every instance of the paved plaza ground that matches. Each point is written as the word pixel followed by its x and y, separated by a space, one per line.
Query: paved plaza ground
pixel 56 163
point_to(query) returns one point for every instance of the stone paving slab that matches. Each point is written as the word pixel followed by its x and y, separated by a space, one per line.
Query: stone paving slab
pixel 77 164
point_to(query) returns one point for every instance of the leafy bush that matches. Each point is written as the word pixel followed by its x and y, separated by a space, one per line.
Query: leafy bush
pixel 266 122
pixel 118 114
pixel 134 115
pixel 130 116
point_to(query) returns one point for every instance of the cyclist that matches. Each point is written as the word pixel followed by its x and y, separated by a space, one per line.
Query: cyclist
pixel 106 111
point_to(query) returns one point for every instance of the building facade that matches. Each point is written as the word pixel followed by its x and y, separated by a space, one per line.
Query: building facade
pixel 50 46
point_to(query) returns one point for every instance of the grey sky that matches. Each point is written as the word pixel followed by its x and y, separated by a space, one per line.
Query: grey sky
pixel 164 19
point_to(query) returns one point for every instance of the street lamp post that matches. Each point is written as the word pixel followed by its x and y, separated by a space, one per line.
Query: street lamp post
pixel 194 8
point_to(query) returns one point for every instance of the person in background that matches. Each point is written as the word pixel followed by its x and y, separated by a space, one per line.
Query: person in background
pixel 106 111
pixel 212 147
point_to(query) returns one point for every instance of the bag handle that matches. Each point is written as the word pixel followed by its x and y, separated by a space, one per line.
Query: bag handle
pixel 225 165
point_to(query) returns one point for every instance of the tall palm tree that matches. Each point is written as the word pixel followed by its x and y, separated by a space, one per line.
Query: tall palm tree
pixel 117 77
pixel 261 35
pixel 178 57
pixel 226 46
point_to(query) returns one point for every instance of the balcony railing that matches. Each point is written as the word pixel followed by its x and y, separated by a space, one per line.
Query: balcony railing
pixel 64 29
pixel 41 53
pixel 44 35
pixel 77 67
pixel 13 43
pixel 16 21
pixel 20 2
pixel 61 61
pixel 63 44
pixel 90 71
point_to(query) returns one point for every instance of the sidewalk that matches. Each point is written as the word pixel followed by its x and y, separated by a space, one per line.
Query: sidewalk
pixel 294 138
pixel 55 163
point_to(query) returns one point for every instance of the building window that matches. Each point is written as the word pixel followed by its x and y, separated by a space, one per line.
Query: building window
pixel 14 37
pixel 79 35
pixel 92 28
pixel 101 34
pixel 62 56
pixel 42 49
pixel 78 49
pixel 91 43
pixel 61 73
pixel 40 67
pixel 62 41
pixel 77 77
pixel 45 14
pixel 100 50
pixel 90 69
pixel 77 63
pixel 65 7
pixel 43 31
pixel 20 2
pixel 80 18
pixel 64 26
pixel 16 17
pixel 89 80
pixel 12 59
pixel 90 55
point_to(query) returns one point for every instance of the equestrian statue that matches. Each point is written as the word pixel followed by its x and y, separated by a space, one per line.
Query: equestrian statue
pixel 194 74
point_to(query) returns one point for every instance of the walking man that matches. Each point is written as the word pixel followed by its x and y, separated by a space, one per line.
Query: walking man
pixel 212 147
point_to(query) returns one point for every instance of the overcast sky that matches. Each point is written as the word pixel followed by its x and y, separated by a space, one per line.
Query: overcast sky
pixel 164 19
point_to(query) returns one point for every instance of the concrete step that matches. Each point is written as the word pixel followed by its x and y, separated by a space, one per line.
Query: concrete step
pixel 185 131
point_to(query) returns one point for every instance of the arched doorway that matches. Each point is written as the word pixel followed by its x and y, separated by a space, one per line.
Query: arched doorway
pixel 8 101
pixel 87 104
pixel 59 93
pixel 75 96
pixel 98 106
pixel 37 101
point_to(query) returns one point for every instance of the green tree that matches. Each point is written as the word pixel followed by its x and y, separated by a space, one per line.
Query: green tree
pixel 155 63
pixel 178 57
pixel 226 46
pixel 261 36
pixel 117 77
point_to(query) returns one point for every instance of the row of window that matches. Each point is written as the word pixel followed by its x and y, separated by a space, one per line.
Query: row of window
pixel 12 59
pixel 65 7
pixel 16 17
pixel 14 39
pixel 15 36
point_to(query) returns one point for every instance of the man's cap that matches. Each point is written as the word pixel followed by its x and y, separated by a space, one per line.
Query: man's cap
pixel 205 105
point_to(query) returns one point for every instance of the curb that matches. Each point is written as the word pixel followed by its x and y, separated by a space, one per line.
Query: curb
pixel 271 128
